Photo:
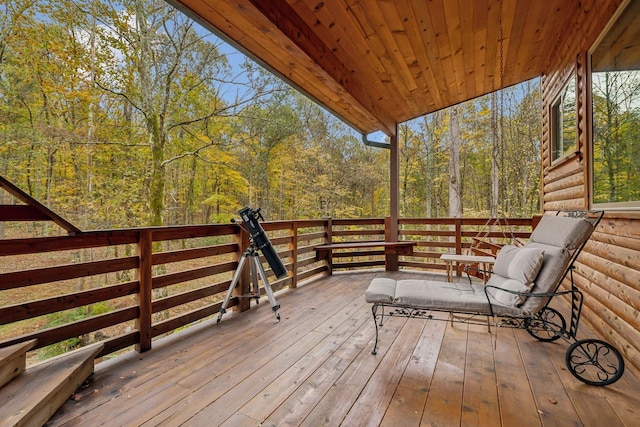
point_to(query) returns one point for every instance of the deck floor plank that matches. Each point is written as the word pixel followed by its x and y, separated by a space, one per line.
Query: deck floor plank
pixel 407 404
pixel 480 397
pixel 339 399
pixel 590 402
pixel 279 390
pixel 548 391
pixel 594 411
pixel 133 369
pixel 215 412
pixel 517 406
pixel 302 401
pixel 224 374
pixel 379 391
pixel 315 367
pixel 444 402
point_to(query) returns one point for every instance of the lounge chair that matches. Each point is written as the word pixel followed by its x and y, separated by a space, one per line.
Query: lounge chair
pixel 524 281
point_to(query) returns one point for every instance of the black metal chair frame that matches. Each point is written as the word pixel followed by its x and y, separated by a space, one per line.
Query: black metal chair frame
pixel 592 361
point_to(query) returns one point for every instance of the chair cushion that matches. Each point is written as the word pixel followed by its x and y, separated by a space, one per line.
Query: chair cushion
pixel 554 265
pixel 436 295
pixel 520 264
pixel 507 298
pixel 381 290
pixel 562 231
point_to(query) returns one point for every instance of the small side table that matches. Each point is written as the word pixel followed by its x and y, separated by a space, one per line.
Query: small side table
pixel 486 261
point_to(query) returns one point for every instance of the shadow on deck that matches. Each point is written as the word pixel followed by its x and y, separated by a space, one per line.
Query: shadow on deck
pixel 314 368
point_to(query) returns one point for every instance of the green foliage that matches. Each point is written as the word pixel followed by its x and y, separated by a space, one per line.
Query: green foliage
pixel 69 316
pixel 59 348
pixel 424 157
pixel 112 126
pixel 100 308
pixel 616 137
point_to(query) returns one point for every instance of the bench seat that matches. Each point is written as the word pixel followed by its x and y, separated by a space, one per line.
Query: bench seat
pixel 390 250
pixel 396 248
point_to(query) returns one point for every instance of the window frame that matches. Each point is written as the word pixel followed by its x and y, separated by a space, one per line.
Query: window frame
pixel 630 206
pixel 556 114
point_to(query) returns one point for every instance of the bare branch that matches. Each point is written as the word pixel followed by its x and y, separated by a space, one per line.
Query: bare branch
pixel 195 152
pixel 121 94
pixel 98 143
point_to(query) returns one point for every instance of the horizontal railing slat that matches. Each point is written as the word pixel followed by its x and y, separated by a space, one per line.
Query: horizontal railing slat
pixel 38 276
pixel 342 233
pixel 359 264
pixel 194 231
pixel 185 319
pixel 111 345
pixel 352 254
pixel 189 296
pixel 184 259
pixel 195 253
pixel 75 329
pixel 79 241
pixel 196 273
pixel 27 310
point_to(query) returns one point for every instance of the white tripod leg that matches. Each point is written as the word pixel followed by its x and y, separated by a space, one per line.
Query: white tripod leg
pixel 232 286
pixel 254 289
pixel 267 288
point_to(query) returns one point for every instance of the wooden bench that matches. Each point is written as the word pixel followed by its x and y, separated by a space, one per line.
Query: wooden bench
pixel 391 251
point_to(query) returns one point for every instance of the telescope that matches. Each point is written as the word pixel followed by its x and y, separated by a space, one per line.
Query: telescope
pixel 259 242
pixel 250 218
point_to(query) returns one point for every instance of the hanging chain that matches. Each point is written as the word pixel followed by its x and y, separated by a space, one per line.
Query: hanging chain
pixel 500 40
pixel 501 108
pixel 501 112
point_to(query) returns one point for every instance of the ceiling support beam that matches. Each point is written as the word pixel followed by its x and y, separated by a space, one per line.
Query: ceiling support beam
pixel 394 186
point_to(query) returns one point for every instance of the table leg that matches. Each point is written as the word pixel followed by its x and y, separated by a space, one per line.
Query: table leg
pixel 484 273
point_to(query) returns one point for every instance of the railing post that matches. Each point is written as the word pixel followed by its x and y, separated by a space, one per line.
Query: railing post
pixel 144 275
pixel 458 235
pixel 390 235
pixel 458 242
pixel 328 232
pixel 535 220
pixel 293 246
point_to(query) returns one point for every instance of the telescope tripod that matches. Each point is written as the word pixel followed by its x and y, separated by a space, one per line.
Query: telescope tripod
pixel 254 292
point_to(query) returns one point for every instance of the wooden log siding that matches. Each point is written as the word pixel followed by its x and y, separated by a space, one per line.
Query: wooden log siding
pixel 294 240
pixel 607 270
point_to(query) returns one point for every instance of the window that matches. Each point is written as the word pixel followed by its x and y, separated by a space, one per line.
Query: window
pixel 615 107
pixel 563 120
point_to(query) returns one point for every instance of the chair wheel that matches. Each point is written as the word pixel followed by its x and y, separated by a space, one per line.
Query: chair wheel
pixel 548 325
pixel 594 362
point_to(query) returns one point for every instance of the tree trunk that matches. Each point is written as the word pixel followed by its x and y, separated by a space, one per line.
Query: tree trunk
pixel 495 144
pixel 455 199
pixel 152 120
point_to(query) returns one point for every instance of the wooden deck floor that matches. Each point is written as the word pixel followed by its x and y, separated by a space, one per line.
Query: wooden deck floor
pixel 314 368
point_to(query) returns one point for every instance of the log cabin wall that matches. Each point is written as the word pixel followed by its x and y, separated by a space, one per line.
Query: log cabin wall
pixel 608 269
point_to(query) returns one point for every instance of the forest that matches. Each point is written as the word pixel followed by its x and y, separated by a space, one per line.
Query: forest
pixel 127 113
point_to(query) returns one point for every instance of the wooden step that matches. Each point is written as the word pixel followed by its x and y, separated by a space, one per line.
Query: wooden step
pixel 13 360
pixel 33 397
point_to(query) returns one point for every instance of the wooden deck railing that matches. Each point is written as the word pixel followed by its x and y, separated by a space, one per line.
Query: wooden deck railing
pixel 126 287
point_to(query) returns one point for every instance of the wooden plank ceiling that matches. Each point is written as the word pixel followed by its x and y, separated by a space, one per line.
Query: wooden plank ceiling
pixel 378 63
